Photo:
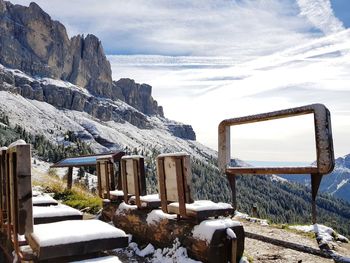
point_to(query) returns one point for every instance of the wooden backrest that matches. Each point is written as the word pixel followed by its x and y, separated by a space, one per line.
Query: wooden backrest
pixel 174 180
pixel 133 177
pixel 18 192
pixel 105 172
pixel 3 185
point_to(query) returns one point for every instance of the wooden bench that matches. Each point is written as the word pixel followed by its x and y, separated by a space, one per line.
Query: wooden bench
pixel 134 183
pixel 55 213
pixel 53 240
pixel 174 177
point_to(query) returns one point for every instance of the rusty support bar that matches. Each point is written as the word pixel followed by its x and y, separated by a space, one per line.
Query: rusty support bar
pixel 232 181
pixel 315 184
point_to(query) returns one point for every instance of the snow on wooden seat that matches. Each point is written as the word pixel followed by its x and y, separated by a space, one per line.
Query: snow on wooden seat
pixel 75 237
pixel 116 193
pixel 55 213
pixel 107 259
pixel 150 201
pixel 203 209
pixel 133 177
pixel 43 200
pixel 175 178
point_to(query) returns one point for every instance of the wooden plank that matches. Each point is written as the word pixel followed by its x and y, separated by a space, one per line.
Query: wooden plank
pixel 81 248
pixel 107 182
pixel 170 179
pixel 14 201
pixel 52 219
pixel 142 176
pixel 119 176
pixel 124 180
pixel 70 178
pixel 8 194
pixel 136 182
pixel 233 250
pixel 25 207
pixel 2 188
pixel 99 187
pixel 161 184
pixel 104 178
pixel 112 179
pixel 187 175
pixel 131 175
pixel 180 187
pixel 271 170
pixel 202 215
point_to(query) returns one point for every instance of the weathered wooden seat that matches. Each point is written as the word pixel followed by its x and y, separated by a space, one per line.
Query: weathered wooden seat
pixel 74 237
pixel 174 175
pixel 134 183
pixel 43 200
pixel 53 240
pixel 55 213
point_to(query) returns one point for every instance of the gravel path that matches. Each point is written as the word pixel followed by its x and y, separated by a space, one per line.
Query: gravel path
pixel 259 251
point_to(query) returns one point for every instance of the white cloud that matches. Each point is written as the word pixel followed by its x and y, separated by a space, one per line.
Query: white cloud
pixel 321 15
pixel 239 29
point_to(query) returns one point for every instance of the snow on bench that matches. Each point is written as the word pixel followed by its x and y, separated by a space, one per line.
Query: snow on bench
pixel 75 237
pixel 107 259
pixel 55 213
pixel 206 228
pixel 43 200
pixel 150 201
pixel 202 208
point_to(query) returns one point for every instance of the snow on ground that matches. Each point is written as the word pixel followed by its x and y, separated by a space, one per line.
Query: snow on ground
pixel 325 233
pixel 71 231
pixel 176 253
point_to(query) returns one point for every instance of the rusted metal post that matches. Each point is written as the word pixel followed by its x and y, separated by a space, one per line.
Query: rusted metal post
pixel 315 184
pixel 70 178
pixel 232 181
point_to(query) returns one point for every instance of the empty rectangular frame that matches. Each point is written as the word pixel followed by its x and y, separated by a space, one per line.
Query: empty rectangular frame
pixel 323 136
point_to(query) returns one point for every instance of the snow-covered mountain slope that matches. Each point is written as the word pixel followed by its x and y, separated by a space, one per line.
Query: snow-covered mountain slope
pixel 39 117
pixel 337 183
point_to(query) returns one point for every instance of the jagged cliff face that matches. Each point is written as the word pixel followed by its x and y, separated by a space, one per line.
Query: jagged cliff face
pixel 32 42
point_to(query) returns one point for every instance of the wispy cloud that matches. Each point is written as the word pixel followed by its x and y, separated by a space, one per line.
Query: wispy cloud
pixel 321 15
pixel 239 29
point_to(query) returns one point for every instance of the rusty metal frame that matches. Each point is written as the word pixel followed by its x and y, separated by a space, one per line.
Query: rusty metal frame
pixel 324 148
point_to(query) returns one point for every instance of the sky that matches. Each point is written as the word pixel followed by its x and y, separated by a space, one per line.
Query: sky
pixel 209 60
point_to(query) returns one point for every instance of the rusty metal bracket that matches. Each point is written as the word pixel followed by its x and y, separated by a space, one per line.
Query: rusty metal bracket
pixel 324 148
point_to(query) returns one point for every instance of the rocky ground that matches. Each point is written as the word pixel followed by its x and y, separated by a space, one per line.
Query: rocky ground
pixel 258 251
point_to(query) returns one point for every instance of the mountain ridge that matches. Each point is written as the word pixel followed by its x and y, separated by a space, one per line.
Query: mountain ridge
pixel 54 107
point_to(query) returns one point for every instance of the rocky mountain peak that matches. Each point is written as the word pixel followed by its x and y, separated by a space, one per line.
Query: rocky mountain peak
pixel 39 46
pixel 33 43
